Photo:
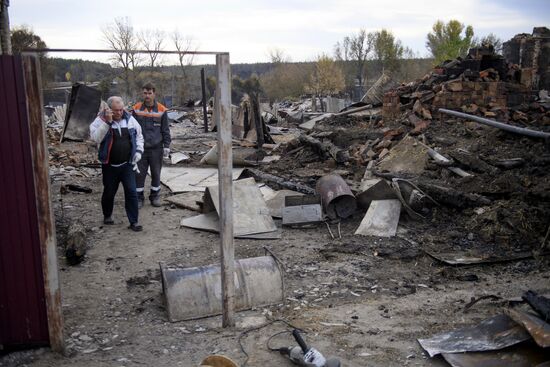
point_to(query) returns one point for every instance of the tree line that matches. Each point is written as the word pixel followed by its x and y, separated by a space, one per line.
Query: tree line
pixel 354 63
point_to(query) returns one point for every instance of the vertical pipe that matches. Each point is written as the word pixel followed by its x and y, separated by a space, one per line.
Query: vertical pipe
pixel 225 165
pixel 203 86
pixel 46 230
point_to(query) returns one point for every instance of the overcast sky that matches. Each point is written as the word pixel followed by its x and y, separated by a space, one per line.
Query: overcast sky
pixel 249 29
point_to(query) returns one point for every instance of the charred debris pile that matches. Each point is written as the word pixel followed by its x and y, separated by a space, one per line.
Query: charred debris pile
pixel 474 184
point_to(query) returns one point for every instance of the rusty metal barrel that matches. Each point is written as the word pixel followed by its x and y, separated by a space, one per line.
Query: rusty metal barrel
pixel 192 293
pixel 336 197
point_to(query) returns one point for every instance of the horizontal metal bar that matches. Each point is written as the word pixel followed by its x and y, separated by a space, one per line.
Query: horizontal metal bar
pixel 498 125
pixel 40 50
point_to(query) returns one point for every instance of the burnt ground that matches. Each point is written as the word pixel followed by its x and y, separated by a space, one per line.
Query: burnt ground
pixel 363 299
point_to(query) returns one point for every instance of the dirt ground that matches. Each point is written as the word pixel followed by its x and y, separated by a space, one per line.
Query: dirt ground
pixel 363 299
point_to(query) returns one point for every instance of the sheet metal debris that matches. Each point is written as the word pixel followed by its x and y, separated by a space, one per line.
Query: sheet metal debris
pixel 185 179
pixel 83 107
pixel 491 334
pixel 522 355
pixel 300 209
pixel 381 219
pixel 192 200
pixel 276 202
pixel 250 212
pixel 210 222
pixel 477 256
pixel 177 157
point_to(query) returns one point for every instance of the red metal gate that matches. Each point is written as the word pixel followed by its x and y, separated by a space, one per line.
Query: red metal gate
pixel 23 312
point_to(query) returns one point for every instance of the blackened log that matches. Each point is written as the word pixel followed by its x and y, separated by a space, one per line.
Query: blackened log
pixel 325 149
pixel 279 181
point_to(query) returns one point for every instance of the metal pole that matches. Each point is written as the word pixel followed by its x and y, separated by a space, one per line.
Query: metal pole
pixel 225 165
pixel 203 86
pixel 498 125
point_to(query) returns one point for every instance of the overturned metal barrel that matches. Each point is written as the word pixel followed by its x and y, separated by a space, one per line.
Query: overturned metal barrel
pixel 336 197
pixel 192 293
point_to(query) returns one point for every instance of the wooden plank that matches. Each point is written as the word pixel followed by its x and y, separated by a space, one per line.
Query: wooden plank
pixel 46 225
pixel 225 164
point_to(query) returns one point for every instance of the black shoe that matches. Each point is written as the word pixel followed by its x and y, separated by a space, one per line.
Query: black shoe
pixel 108 221
pixel 156 202
pixel 135 227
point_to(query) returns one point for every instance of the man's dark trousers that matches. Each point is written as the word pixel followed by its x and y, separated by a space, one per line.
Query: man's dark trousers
pixel 152 158
pixel 112 177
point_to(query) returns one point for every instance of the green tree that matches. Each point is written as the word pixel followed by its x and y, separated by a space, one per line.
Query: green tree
pixel 449 41
pixel 24 38
pixel 327 78
pixel 388 50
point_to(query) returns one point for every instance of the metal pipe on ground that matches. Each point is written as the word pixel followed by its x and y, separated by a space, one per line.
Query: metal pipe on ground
pixel 192 293
pixel 498 125
pixel 336 197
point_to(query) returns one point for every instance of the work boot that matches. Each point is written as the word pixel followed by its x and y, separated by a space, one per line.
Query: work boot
pixel 155 201
pixel 108 221
pixel 135 227
pixel 154 197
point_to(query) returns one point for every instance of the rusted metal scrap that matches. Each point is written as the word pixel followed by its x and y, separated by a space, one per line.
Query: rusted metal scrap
pixel 336 197
pixel 539 330
pixel 539 303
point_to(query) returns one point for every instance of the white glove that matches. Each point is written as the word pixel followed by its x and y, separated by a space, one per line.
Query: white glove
pixel 166 152
pixel 136 168
pixel 137 158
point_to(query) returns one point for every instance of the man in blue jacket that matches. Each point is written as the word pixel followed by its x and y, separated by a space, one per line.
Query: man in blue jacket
pixel 120 142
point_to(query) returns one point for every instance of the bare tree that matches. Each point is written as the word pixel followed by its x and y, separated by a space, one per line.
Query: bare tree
pixel 183 45
pixel 121 38
pixel 353 51
pixel 278 56
pixel 153 41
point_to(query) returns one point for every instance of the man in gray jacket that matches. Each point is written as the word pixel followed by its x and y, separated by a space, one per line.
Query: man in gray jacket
pixel 120 141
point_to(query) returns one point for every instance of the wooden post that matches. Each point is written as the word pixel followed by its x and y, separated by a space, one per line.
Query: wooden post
pixel 225 168
pixel 257 119
pixel 46 225
pixel 203 87
pixel 5 36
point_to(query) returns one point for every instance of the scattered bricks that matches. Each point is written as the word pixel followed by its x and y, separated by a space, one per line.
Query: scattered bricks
pixel 471 108
pixel 386 143
pixel 413 119
pixel 426 113
pixel 371 154
pixel 520 116
pixel 420 127
pixel 454 86
pixel 383 153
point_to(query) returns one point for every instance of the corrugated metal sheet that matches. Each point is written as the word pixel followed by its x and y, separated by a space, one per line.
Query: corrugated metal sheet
pixel 23 318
